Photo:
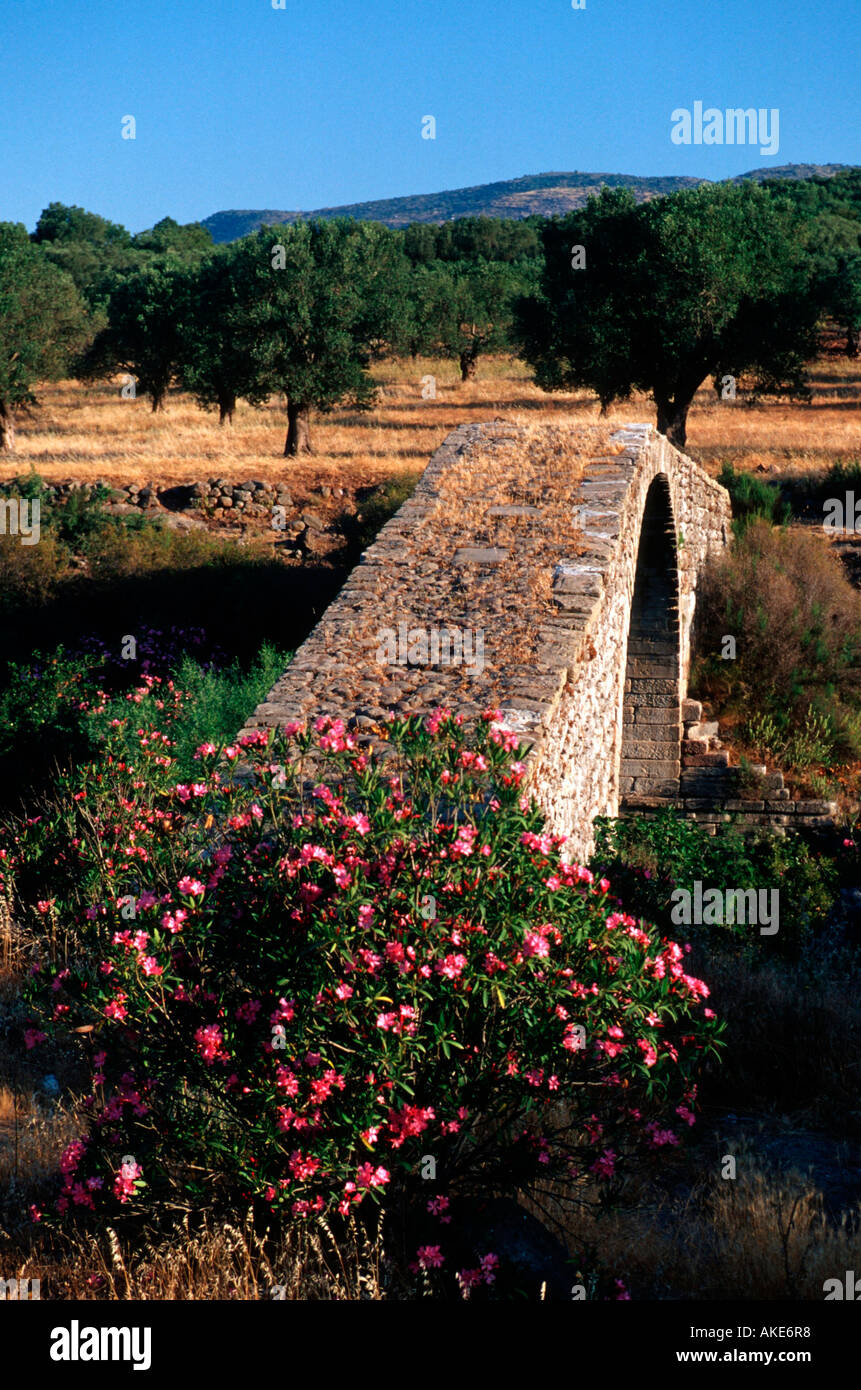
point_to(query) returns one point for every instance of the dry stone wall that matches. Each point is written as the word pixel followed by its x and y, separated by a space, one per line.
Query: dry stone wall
pixel 509 581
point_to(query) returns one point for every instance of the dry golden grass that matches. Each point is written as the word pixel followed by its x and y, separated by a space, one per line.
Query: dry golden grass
pixel 212 1260
pixel 32 1136
pixel 763 1235
pixel 88 432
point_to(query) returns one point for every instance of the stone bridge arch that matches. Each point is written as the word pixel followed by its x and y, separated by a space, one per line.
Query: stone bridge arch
pixel 653 685
pixel 549 572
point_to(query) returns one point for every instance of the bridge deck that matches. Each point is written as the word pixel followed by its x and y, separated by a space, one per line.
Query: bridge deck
pixel 506 554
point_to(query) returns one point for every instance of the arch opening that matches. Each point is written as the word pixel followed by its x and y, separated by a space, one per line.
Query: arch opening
pixel 651 718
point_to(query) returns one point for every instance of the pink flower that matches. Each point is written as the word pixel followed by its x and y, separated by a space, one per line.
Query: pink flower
pixel 209 1040
pixel 430 1257
pixel 191 886
pixel 359 823
pixel 650 1056
pixel 369 1176
pixel 468 1280
pixel 451 966
pixel 303 1166
pixel 604 1166
pixel 124 1183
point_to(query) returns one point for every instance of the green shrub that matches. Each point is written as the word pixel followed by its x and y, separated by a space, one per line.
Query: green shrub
pixel 216 702
pixel 796 618
pixel 648 858
pixel 361 530
pixel 753 497
pixel 54 711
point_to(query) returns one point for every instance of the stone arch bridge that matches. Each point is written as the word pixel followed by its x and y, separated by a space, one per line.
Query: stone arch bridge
pixel 549 571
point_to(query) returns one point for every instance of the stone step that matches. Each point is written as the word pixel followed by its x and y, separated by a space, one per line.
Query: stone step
pixel 717 759
pixel 701 730
pixel 692 711
pixel 692 747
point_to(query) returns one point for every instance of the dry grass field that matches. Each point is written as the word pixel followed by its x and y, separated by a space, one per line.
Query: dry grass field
pixel 767 1236
pixel 89 432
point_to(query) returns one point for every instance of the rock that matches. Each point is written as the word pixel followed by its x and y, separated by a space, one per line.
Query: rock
pixel 312 520
pixel 224 502
pixel 480 555
pixel 121 509
pixel 312 542
pixel 180 521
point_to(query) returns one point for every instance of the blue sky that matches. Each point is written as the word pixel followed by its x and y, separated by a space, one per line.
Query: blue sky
pixel 240 105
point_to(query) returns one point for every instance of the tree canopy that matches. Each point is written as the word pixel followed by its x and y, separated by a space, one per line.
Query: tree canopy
pixel 43 323
pixel 662 295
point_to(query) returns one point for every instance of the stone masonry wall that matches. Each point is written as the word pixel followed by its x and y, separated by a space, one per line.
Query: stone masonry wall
pixel 529 537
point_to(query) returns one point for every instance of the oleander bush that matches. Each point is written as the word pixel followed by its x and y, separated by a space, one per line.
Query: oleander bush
pixel 340 979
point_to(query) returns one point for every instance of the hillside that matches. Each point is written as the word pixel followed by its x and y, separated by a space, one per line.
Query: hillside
pixel 546 195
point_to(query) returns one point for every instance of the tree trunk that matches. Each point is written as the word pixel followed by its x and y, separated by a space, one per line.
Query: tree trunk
pixel 7 430
pixel 298 430
pixel 852 340
pixel 226 407
pixel 467 365
pixel 673 420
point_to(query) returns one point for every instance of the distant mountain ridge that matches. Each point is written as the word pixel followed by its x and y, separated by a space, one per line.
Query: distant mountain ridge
pixel 547 195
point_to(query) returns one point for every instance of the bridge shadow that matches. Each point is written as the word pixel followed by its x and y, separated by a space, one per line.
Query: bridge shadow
pixel 651 713
pixel 238 605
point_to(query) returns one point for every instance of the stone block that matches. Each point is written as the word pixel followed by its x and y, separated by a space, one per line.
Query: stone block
pixel 703 730
pixel 649 767
pixel 480 555
pixel 718 759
